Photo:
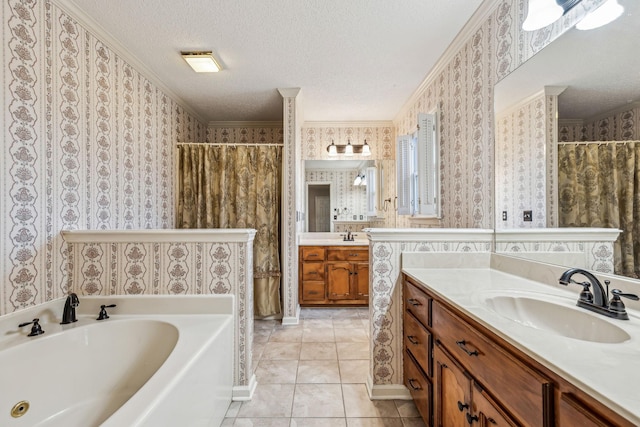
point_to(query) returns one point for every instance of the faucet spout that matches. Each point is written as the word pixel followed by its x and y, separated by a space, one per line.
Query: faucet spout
pixel 69 311
pixel 600 297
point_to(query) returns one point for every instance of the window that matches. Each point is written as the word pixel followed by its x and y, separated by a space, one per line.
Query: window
pixel 418 178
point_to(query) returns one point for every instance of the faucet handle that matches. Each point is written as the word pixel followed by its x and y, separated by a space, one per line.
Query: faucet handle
pixel 616 305
pixel 103 312
pixel 619 293
pixel 586 294
pixel 36 329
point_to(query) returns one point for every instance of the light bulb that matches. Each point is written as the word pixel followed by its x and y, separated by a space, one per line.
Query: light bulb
pixel 333 151
pixel 608 12
pixel 348 150
pixel 541 13
pixel 366 151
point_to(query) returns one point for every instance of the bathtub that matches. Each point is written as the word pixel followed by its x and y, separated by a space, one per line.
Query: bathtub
pixel 157 361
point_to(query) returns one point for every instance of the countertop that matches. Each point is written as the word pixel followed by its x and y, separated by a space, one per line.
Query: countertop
pixel 609 372
pixel 332 239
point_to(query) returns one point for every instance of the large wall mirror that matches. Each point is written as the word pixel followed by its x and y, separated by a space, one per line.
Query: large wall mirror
pixel 594 76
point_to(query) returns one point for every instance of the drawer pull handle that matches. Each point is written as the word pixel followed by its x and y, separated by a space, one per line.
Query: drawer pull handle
pixel 471 418
pixel 363 295
pixel 414 302
pixel 413 340
pixel 313 255
pixel 411 381
pixel 462 406
pixel 462 344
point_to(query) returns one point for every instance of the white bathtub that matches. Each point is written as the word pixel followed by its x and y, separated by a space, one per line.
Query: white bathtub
pixel 157 361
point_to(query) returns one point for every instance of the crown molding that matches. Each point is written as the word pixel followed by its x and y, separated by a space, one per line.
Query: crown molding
pixel 360 124
pixel 484 11
pixel 241 124
pixel 94 27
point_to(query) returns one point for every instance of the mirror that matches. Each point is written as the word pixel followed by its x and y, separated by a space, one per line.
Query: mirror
pixel 335 204
pixel 593 75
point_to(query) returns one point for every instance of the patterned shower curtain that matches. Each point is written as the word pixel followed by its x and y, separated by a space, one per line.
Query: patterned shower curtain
pixel 599 186
pixel 236 187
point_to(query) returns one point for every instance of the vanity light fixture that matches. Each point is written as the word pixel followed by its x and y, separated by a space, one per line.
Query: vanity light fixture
pixel 349 149
pixel 541 13
pixel 606 13
pixel 202 62
pixel 358 179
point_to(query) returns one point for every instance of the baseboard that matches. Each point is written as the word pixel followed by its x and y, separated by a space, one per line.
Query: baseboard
pixel 291 321
pixel 242 393
pixel 387 391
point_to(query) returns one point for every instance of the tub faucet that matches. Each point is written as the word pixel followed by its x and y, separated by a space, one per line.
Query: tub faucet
pixel 69 312
pixel 597 299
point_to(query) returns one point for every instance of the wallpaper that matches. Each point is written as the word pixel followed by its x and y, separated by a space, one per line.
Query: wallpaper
pixel 520 165
pixel 239 134
pixel 87 143
pixel 620 126
pixel 345 194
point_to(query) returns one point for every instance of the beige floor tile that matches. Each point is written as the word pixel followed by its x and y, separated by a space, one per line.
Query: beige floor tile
pixel 374 422
pixel 354 371
pixel 358 404
pixel 413 422
pixel 318 371
pixel 277 371
pixel 346 313
pixel 318 351
pixel 351 350
pixel 318 335
pixel 286 334
pixel 281 351
pixel 348 323
pixel 269 400
pixel 407 409
pixel 261 335
pixel 227 422
pixel 350 335
pixel 318 422
pixel 262 422
pixel 232 410
pixel 317 323
pixel 265 324
pixel 318 400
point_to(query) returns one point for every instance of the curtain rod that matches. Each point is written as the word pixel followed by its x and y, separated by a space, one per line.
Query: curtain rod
pixel 594 142
pixel 231 145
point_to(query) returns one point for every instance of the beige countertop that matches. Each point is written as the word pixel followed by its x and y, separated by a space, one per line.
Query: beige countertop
pixel 332 239
pixel 609 372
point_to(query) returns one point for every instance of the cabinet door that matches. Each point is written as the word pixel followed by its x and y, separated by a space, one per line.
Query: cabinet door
pixel 453 391
pixel 339 280
pixel 361 280
pixel 486 412
pixel 575 413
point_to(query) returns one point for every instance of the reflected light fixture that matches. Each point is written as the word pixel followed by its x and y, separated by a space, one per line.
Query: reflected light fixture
pixel 606 13
pixel 358 179
pixel 349 149
pixel 541 13
pixel 202 62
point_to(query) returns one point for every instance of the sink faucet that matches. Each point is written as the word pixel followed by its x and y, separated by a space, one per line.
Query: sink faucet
pixel 597 299
pixel 69 312
pixel 348 237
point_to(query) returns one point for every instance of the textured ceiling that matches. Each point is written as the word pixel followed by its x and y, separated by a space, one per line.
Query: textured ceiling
pixel 354 59
pixel 600 67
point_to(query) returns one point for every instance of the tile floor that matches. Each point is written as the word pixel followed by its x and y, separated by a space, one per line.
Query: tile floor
pixel 313 375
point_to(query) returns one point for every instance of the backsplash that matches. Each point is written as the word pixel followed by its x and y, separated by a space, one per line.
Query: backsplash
pixel 87 144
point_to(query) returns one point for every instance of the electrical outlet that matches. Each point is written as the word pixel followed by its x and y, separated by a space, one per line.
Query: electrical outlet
pixel 504 215
pixel 527 216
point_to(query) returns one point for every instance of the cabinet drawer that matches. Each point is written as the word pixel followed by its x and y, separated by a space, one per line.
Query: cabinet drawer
pixel 418 341
pixel 313 291
pixel 312 253
pixel 313 271
pixel 523 391
pixel 355 254
pixel 418 303
pixel 419 386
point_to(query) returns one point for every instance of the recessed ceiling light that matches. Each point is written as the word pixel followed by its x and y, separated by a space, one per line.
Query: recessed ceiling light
pixel 202 62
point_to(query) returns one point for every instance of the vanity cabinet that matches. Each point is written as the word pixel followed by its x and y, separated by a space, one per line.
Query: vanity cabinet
pixel 478 378
pixel 334 275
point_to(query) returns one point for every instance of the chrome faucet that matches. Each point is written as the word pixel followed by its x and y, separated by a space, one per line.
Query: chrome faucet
pixel 596 299
pixel 69 312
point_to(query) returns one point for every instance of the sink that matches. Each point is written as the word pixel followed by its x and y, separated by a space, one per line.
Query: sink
pixel 556 318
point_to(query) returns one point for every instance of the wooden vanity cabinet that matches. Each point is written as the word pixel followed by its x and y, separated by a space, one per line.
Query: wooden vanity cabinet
pixel 478 378
pixel 334 275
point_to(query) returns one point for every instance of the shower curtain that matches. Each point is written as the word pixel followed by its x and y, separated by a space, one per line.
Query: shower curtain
pixel 599 186
pixel 224 186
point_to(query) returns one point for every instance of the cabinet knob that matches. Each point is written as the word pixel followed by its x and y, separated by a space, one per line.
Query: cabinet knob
pixel 413 340
pixel 471 418
pixel 414 302
pixel 411 384
pixel 462 406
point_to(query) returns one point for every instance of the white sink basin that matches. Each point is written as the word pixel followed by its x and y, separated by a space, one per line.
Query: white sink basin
pixel 567 321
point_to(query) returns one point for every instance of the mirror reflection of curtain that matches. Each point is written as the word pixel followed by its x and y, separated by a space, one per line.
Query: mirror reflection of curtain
pixel 599 186
pixel 236 187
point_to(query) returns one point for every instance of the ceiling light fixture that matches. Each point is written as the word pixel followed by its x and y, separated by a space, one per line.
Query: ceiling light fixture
pixel 202 62
pixel 606 13
pixel 349 149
